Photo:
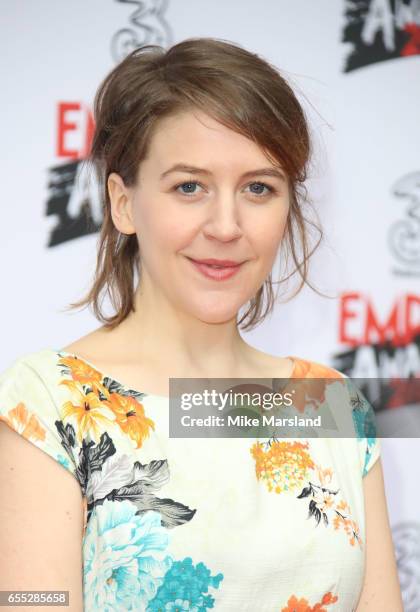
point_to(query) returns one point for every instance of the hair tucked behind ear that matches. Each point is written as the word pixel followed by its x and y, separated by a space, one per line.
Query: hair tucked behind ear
pixel 236 87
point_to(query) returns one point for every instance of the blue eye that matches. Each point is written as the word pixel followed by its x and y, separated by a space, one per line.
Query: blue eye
pixel 190 192
pixel 189 183
pixel 270 189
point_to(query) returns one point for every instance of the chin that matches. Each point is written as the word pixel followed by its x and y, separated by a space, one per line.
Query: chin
pixel 217 320
pixel 215 315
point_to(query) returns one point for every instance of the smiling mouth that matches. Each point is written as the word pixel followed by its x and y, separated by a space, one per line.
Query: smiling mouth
pixel 216 272
pixel 216 265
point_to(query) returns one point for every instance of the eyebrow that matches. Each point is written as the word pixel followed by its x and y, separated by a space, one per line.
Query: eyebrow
pixel 270 171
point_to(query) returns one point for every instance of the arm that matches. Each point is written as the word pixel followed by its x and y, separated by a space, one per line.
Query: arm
pixel 381 589
pixel 41 522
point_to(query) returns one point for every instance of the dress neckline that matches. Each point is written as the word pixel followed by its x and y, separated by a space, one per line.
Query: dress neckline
pixel 62 353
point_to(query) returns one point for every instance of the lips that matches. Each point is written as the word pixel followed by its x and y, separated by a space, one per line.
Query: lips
pixel 219 263
pixel 217 271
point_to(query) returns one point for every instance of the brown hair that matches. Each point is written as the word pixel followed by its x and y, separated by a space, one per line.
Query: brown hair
pixel 237 88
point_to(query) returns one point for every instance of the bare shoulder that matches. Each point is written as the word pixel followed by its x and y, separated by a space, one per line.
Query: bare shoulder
pixel 89 341
pixel 381 589
pixel 271 366
pixel 41 521
pixel 94 346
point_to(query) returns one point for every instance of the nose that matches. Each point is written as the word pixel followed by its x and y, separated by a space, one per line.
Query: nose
pixel 222 221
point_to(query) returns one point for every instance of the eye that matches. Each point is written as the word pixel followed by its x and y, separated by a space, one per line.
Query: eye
pixel 190 191
pixel 189 184
pixel 260 193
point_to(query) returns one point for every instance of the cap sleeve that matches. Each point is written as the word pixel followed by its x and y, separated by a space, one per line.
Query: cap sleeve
pixel 364 420
pixel 28 407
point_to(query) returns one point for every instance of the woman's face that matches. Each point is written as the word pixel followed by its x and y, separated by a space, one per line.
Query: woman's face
pixel 222 205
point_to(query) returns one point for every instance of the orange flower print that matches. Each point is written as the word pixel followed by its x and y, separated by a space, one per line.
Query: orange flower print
pixel 323 497
pixel 302 605
pixel 297 605
pixel 130 416
pixel 282 465
pixel 324 476
pixel 285 466
pixel 96 406
pixel 82 372
pixel 324 504
pixel 24 422
pixel 311 369
pixel 311 392
pixel 89 411
pixel 350 527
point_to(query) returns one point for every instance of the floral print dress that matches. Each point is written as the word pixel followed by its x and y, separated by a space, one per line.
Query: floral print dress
pixel 238 524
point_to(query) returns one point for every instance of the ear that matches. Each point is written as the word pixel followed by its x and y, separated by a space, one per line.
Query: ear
pixel 120 197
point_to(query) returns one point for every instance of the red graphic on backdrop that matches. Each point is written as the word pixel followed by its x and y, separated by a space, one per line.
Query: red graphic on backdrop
pixel 360 322
pixel 73 195
pixel 75 127
pixel 383 353
pixel 412 47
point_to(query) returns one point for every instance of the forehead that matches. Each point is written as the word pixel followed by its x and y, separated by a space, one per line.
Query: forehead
pixel 199 138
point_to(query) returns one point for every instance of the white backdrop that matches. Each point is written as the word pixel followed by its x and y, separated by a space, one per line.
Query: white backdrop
pixel 355 66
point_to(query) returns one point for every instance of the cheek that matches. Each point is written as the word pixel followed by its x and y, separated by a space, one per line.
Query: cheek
pixel 267 233
pixel 163 234
pixel 175 232
pixel 155 221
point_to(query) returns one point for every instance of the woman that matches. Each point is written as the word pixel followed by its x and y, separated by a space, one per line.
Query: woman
pixel 201 152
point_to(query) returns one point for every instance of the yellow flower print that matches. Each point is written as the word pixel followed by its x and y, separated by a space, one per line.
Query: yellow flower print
pixel 96 405
pixel 285 466
pixel 91 414
pixel 130 416
pixel 282 465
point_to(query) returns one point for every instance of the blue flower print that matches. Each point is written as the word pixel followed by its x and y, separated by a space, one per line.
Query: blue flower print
pixel 185 587
pixel 64 461
pixel 179 606
pixel 124 557
pixel 365 424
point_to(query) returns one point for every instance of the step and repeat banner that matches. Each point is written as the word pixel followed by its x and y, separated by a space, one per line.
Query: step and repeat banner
pixel 355 66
